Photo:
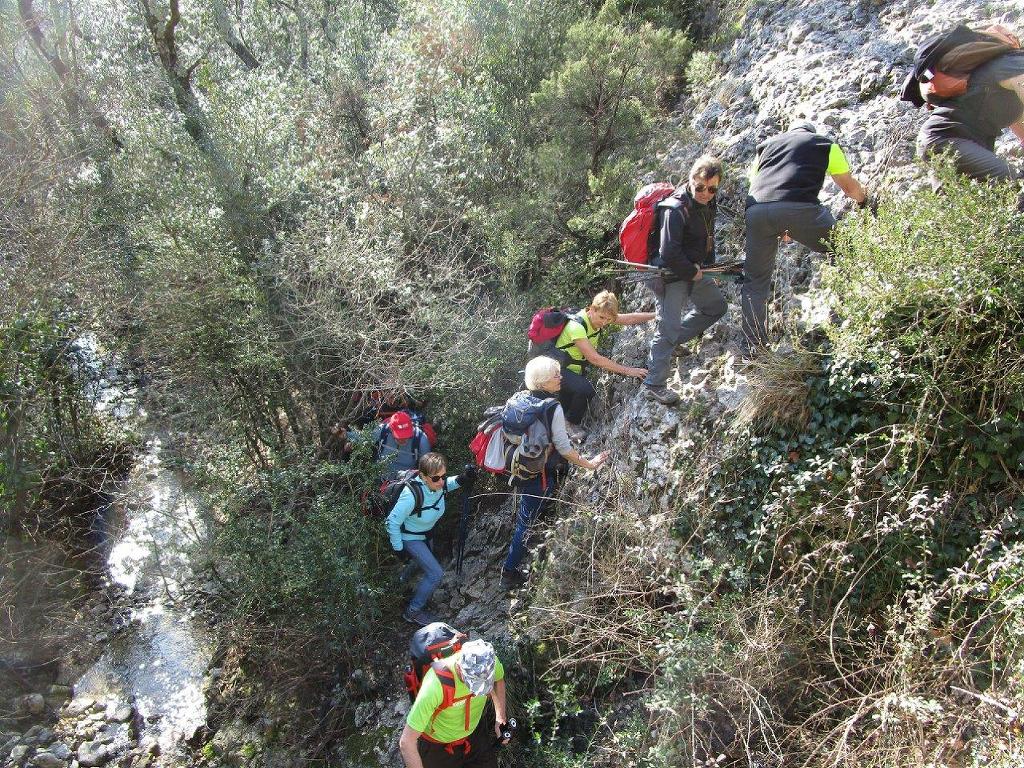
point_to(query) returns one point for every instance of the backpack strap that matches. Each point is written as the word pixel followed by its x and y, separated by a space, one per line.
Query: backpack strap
pixel 417 436
pixel 446 676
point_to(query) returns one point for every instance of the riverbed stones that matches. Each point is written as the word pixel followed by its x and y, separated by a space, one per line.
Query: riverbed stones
pixel 33 704
pixel 93 753
pixel 47 760
pixel 118 713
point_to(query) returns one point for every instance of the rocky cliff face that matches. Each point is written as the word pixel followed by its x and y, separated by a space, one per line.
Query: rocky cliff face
pixel 839 65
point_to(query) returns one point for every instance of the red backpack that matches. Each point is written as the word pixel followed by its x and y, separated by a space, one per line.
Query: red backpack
pixel 429 645
pixel 638 233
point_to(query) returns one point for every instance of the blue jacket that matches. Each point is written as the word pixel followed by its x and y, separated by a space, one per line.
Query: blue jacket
pixel 402 525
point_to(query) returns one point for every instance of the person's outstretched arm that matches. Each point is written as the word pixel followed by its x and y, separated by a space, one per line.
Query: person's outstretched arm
pixel 852 188
pixel 634 318
pixel 596 358
pixel 498 699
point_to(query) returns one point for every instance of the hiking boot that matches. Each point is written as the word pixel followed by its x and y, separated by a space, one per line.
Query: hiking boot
pixel 576 433
pixel 420 618
pixel 661 394
pixel 512 579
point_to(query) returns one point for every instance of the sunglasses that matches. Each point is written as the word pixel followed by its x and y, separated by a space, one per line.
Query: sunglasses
pixel 436 478
pixel 712 189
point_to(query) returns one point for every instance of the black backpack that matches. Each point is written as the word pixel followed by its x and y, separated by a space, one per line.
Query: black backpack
pixel 392 489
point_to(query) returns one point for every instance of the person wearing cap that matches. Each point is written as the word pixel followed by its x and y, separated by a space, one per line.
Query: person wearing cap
pixel 410 527
pixel 458 735
pixel 968 125
pixel 399 444
pixel 785 181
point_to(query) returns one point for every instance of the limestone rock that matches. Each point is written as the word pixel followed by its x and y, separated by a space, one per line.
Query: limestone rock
pixel 47 760
pixel 93 753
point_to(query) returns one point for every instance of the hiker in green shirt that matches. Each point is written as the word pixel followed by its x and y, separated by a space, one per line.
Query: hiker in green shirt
pixel 445 727
pixel 578 344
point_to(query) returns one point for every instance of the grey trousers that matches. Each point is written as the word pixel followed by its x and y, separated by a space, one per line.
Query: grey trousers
pixel 969 157
pixel 708 306
pixel 807 223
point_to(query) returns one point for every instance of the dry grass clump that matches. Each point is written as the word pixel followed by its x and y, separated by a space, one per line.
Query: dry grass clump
pixel 779 389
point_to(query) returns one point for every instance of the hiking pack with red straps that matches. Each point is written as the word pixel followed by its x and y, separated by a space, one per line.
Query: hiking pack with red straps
pixel 944 63
pixel 429 646
pixel 638 234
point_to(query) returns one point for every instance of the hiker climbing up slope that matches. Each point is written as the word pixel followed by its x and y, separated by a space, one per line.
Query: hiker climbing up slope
pixel 786 179
pixel 578 342
pixel 410 522
pixel 543 381
pixel 399 444
pixel 446 726
pixel 968 115
pixel 686 243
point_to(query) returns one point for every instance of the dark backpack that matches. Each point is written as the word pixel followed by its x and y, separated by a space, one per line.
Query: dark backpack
pixel 390 490
pixel 638 234
pixel 526 427
pixel 943 63
pixel 428 646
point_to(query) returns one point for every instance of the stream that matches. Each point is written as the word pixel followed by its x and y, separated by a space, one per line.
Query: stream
pixel 158 665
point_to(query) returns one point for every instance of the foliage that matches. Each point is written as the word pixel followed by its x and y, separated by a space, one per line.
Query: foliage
pixel 302 568
pixel 843 588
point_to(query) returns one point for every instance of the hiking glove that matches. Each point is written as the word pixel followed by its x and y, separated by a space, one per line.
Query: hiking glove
pixel 468 475
pixel 404 556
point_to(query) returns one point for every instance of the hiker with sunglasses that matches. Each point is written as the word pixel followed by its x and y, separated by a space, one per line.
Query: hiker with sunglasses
pixel 785 181
pixel 686 244
pixel 409 526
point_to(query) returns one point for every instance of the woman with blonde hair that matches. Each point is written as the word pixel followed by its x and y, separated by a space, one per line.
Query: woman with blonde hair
pixel 578 344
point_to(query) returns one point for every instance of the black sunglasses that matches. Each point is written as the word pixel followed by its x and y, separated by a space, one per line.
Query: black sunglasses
pixel 436 478
pixel 710 188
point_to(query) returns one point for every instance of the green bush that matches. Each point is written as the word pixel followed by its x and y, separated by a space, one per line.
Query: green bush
pixel 930 292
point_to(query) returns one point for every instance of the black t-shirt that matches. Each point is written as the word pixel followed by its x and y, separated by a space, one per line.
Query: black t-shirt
pixel 791 167
pixel 687 234
pixel 984 110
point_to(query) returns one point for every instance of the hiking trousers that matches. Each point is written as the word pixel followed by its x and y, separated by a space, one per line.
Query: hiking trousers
pixel 575 395
pixel 482 750
pixel 423 556
pixel 708 306
pixel 969 157
pixel 810 224
pixel 532 497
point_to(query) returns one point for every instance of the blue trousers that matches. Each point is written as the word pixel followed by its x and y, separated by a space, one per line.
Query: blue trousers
pixel 532 498
pixel 422 555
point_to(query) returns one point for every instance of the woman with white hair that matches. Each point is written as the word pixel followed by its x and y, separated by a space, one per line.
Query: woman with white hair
pixel 543 382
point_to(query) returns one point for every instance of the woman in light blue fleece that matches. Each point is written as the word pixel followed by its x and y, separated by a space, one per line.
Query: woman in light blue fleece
pixel 410 522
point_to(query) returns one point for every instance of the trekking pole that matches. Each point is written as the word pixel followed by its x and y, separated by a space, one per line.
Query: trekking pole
pixel 460 550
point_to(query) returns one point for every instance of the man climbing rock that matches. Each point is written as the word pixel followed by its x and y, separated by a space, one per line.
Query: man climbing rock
pixel 788 174
pixel 446 726
pixel 686 244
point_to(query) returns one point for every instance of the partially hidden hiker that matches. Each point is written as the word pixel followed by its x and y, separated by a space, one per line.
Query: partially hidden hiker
pixel 410 522
pixel 579 341
pixel 543 382
pixel 973 84
pixel 446 726
pixel 686 244
pixel 399 444
pixel 786 179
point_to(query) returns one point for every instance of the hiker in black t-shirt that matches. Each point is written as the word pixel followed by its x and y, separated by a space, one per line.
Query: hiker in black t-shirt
pixel 787 176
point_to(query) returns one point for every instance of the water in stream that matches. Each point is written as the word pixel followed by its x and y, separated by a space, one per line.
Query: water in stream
pixel 159 664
